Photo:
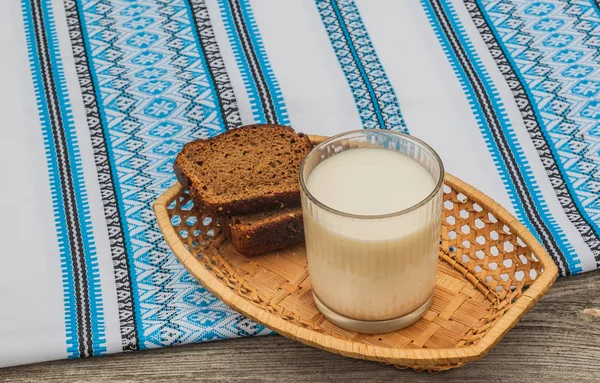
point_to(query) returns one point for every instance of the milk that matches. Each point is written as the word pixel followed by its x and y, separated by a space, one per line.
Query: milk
pixel 370 181
pixel 372 269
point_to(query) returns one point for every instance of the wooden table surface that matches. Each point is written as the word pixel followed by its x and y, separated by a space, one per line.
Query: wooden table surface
pixel 559 340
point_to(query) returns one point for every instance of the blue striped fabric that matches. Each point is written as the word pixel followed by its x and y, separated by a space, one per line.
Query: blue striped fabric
pixel 375 98
pixel 84 319
pixel 545 19
pixel 148 77
pixel 263 89
pixel 498 133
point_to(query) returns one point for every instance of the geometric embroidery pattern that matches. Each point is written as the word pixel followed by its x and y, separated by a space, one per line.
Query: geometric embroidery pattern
pixel 159 83
pixel 553 48
pixel 106 178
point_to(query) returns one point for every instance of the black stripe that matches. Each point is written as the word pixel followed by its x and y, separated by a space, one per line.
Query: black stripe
pixel 548 159
pixel 254 64
pixel 516 176
pixel 127 319
pixel 209 52
pixel 82 304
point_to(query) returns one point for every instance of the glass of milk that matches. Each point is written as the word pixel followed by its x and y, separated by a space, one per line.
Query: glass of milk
pixel 371 201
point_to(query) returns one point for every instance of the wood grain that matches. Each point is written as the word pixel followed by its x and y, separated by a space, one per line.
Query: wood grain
pixel 556 341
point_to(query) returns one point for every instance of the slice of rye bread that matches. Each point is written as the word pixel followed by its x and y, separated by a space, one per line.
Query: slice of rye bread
pixel 259 233
pixel 244 170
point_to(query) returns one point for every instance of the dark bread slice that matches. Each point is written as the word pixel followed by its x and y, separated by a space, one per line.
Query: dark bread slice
pixel 259 233
pixel 244 170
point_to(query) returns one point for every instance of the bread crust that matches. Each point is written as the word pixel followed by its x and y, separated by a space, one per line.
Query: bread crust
pixel 244 204
pixel 267 235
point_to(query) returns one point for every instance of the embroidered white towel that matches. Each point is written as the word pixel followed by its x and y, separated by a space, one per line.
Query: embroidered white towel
pixel 97 97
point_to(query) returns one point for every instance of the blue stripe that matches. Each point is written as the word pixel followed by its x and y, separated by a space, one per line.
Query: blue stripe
pixel 95 295
pixel 265 65
pixel 189 15
pixel 55 189
pixel 507 129
pixel 91 261
pixel 250 82
pixel 334 16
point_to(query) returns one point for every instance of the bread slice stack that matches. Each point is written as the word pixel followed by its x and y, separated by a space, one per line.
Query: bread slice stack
pixel 247 178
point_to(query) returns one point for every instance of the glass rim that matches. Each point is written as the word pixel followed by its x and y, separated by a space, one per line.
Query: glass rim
pixel 313 199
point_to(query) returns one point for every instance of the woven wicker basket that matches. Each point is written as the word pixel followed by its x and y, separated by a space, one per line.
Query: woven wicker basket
pixel 491 272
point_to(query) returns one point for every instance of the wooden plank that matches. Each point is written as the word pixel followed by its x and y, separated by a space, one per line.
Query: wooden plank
pixel 554 342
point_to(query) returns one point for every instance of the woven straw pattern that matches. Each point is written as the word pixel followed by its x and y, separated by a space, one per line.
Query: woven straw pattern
pixel 491 272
